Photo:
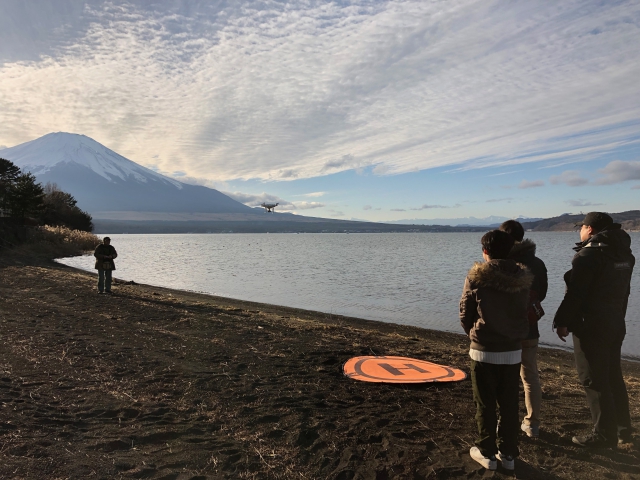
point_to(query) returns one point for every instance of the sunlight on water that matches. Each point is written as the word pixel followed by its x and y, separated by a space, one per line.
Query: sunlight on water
pixel 413 279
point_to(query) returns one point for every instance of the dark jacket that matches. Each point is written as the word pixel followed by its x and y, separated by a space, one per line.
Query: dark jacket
pixel 598 285
pixel 524 252
pixel 102 251
pixel 493 307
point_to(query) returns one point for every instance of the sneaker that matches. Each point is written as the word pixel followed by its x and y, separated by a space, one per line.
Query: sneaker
pixel 624 436
pixel 508 463
pixel 593 440
pixel 532 431
pixel 100 293
pixel 490 463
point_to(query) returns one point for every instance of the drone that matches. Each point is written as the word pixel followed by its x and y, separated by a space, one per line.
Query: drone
pixel 269 207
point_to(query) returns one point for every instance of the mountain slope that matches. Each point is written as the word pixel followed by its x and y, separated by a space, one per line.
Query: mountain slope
pixel 101 180
pixel 630 220
pixel 490 221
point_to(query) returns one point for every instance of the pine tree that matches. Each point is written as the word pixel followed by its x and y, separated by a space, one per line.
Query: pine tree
pixel 9 173
pixel 60 209
pixel 24 196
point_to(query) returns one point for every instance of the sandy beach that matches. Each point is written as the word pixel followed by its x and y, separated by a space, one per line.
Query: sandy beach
pixel 159 383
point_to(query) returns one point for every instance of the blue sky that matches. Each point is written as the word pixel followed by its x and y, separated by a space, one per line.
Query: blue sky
pixel 375 110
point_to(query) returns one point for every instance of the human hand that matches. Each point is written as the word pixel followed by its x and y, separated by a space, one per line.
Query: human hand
pixel 562 332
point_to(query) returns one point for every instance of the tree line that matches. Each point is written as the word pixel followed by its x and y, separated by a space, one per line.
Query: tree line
pixel 21 197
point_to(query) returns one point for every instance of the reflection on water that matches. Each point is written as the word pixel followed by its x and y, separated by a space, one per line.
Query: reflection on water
pixel 413 279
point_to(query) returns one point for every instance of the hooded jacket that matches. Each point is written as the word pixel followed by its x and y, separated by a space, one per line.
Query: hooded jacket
pixel 598 285
pixel 524 252
pixel 494 303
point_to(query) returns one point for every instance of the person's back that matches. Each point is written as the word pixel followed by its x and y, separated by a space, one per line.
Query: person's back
pixel 493 312
pixel 524 252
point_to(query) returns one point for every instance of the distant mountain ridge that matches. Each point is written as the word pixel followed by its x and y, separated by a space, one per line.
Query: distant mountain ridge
pixel 490 221
pixel 630 220
pixel 102 180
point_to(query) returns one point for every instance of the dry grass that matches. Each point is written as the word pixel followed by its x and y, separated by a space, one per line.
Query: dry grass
pixel 55 242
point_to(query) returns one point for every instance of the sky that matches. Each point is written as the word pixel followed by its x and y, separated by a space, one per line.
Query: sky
pixel 369 110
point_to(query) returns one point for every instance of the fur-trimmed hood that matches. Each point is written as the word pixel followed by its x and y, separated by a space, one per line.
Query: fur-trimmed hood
pixel 523 249
pixel 503 275
pixel 494 304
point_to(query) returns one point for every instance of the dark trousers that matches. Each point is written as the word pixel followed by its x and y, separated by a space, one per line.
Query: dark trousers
pixel 598 364
pixel 496 385
pixel 102 275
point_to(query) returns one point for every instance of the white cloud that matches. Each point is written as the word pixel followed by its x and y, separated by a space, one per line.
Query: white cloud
pixel 275 90
pixel 314 194
pixel 533 184
pixel 307 205
pixel 618 172
pixel 571 178
pixel 429 207
pixel 253 200
pixel 581 203
pixel 398 210
pixel 344 163
pixel 499 200
pixel 367 207
pixel 336 213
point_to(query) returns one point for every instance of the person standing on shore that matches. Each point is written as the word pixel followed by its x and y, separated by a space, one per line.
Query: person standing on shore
pixel 594 309
pixel 105 253
pixel 524 252
pixel 493 312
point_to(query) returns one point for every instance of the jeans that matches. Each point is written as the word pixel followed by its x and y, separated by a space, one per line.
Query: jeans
pixel 496 385
pixel 531 382
pixel 599 370
pixel 101 280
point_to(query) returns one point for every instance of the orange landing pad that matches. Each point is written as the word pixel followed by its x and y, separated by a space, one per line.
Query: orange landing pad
pixel 399 370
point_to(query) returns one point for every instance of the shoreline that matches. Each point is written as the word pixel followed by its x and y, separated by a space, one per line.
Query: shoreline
pixel 567 349
pixel 161 383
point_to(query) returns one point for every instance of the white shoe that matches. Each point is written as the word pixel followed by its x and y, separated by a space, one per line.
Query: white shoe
pixel 532 431
pixel 490 463
pixel 508 463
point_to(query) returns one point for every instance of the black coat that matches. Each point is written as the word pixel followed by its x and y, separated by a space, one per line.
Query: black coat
pixel 525 253
pixel 598 286
pixel 103 250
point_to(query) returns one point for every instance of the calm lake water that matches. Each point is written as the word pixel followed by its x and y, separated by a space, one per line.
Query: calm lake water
pixel 405 278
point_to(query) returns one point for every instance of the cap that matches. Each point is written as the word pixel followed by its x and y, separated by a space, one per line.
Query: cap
pixel 597 220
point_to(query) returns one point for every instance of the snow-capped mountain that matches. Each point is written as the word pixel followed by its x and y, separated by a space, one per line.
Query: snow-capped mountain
pixel 42 154
pixel 103 181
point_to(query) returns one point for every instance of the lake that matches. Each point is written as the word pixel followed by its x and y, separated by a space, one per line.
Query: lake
pixel 407 278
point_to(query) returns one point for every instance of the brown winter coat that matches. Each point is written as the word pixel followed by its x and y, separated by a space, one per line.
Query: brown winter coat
pixel 494 303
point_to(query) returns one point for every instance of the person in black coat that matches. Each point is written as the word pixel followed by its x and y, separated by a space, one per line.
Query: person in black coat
pixel 594 309
pixel 524 252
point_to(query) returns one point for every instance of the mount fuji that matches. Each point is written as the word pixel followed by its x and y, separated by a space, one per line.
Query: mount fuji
pixel 107 185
